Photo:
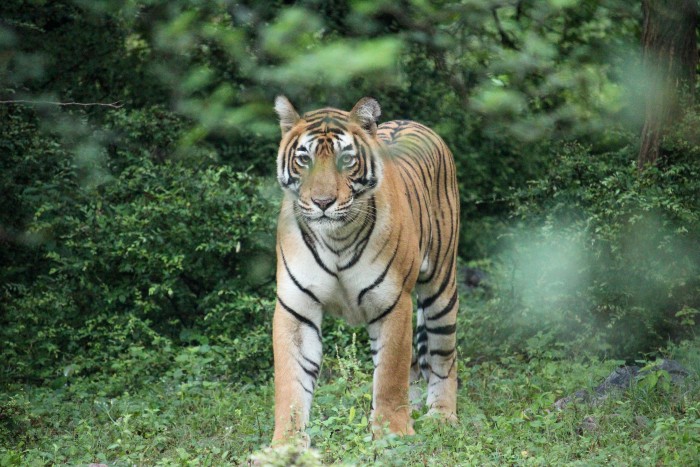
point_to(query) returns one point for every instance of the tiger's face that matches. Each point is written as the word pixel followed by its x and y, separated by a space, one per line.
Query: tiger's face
pixel 328 160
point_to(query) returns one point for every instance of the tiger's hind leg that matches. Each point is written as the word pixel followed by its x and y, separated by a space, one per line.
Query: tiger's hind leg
pixel 438 303
pixel 419 363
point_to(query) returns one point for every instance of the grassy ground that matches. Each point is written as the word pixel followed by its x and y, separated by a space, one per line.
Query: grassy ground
pixel 506 417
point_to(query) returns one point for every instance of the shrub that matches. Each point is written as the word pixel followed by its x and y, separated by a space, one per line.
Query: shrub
pixel 157 249
pixel 602 258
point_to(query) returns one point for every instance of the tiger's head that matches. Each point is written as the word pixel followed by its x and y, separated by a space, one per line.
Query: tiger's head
pixel 329 160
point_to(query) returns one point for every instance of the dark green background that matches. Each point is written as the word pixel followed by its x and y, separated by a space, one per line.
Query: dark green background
pixel 131 232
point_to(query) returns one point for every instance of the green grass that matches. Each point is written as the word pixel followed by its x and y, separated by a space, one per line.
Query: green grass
pixel 506 417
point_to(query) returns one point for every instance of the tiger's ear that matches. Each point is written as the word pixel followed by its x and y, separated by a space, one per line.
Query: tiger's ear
pixel 285 110
pixel 365 113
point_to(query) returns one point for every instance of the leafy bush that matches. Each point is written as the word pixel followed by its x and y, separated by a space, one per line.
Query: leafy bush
pixel 127 246
pixel 602 258
pixel 155 250
pixel 27 167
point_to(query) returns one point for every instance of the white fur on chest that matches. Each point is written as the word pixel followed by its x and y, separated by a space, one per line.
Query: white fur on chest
pixel 344 298
pixel 350 293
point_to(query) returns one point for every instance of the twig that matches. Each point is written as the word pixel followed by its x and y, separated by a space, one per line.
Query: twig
pixel 505 40
pixel 114 105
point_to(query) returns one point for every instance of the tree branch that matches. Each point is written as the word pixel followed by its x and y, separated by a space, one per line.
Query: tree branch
pixel 505 40
pixel 114 105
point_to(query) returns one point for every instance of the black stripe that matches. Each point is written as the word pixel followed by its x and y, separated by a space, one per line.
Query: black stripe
pixel 448 278
pixel 436 265
pixel 296 282
pixel 416 164
pixel 454 360
pixel 445 310
pixel 313 373
pixel 444 330
pixel 309 245
pixel 333 250
pixel 359 250
pixel 342 239
pixel 313 126
pixel 386 312
pixel 315 365
pixel 386 242
pixel 358 232
pixel 328 121
pixel 304 387
pixel 420 206
pixel 301 318
pixel 442 352
pixel 381 277
pixel 286 155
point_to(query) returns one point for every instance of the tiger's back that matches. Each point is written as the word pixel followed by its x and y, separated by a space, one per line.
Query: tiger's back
pixel 427 172
pixel 370 215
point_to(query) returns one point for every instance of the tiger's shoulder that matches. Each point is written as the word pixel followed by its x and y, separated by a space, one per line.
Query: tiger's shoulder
pixel 394 131
pixel 406 140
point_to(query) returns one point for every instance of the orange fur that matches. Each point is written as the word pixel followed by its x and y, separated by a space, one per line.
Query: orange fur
pixel 370 214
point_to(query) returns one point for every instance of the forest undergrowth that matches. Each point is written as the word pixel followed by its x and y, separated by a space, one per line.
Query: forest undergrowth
pixel 195 414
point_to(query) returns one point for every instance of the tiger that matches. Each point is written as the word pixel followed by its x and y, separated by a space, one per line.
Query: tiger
pixel 369 214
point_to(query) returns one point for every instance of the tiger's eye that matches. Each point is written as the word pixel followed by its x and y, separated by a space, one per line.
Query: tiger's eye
pixel 303 159
pixel 347 160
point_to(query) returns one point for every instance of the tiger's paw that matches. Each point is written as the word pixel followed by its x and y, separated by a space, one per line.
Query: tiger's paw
pixel 397 425
pixel 445 415
pixel 299 439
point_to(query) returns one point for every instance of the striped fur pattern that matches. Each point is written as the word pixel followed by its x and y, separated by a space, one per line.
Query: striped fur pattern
pixel 370 214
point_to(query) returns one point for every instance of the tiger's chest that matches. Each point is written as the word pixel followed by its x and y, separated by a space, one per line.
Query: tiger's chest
pixel 352 278
pixel 359 293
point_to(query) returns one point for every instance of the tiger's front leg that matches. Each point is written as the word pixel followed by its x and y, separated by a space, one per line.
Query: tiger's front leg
pixel 296 329
pixel 391 345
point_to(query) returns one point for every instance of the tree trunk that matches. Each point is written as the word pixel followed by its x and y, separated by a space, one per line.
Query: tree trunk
pixel 670 59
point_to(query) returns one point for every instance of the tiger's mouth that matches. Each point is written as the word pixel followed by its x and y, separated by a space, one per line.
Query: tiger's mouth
pixel 327 217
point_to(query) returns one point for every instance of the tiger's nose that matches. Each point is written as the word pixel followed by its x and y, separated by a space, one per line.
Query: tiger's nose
pixel 323 203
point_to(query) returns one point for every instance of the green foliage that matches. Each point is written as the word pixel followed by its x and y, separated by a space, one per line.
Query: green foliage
pixel 136 242
pixel 40 56
pixel 156 248
pixel 475 70
pixel 505 409
pixel 14 420
pixel 287 455
pixel 601 258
